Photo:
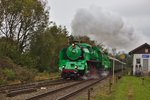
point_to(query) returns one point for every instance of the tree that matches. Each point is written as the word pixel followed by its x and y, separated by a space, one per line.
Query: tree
pixel 114 52
pixel 8 47
pixel 20 19
pixel 45 47
pixel 85 39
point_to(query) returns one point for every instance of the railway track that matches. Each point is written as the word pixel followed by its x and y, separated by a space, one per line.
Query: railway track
pixel 67 91
pixel 54 90
pixel 28 88
pixel 15 86
pixel 18 84
pixel 65 97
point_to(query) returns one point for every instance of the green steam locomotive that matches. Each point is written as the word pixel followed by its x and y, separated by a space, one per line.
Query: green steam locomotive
pixel 80 59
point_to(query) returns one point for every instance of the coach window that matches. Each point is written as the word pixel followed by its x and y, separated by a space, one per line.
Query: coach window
pixel 138 61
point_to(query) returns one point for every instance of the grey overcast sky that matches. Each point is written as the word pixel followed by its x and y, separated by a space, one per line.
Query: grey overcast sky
pixel 134 13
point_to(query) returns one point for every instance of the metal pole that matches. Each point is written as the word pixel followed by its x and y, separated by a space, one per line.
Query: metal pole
pixel 142 80
pixel 113 71
pixel 122 69
pixel 110 85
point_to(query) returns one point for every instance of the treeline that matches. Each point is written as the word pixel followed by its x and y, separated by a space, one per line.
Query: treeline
pixel 29 42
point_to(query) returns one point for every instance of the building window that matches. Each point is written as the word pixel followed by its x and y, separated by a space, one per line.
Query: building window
pixel 138 61
pixel 146 50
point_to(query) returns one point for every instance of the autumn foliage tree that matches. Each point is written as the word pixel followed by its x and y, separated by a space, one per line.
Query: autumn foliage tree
pixel 20 19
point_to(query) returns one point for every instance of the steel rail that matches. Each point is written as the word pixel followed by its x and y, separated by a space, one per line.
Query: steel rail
pixel 30 89
pixel 54 91
pixel 79 90
pixel 7 88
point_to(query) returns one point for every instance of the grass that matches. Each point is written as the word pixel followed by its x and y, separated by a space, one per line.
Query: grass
pixel 131 87
pixel 127 88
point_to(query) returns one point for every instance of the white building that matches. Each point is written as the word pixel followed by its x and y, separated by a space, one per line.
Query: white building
pixel 141 58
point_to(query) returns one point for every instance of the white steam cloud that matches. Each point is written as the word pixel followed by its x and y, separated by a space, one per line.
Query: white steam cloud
pixel 107 28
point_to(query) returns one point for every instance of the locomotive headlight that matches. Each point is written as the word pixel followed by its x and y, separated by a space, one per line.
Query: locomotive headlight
pixel 76 67
pixel 73 45
pixel 63 67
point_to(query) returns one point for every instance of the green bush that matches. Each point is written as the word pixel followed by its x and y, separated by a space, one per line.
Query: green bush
pixel 3 82
pixel 9 71
pixel 25 75
pixel 9 74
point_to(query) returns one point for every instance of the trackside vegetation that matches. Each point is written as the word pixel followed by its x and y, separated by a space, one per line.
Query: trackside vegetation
pixel 127 88
pixel 29 41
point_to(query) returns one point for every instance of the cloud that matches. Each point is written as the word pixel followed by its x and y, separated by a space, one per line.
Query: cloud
pixel 106 27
